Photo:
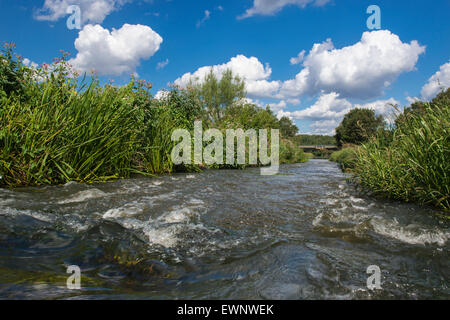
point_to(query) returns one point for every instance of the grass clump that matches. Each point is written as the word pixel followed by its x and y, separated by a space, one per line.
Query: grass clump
pixel 411 162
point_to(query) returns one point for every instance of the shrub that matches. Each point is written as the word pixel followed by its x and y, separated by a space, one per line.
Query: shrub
pixel 346 158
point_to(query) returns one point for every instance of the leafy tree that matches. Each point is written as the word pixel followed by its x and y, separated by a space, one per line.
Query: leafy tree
pixel 288 128
pixel 358 126
pixel 249 116
pixel 216 95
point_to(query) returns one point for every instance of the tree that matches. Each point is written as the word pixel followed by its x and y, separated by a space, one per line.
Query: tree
pixel 358 126
pixel 218 95
pixel 287 128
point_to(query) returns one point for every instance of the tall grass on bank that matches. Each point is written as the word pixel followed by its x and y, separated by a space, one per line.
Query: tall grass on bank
pixel 56 128
pixel 92 135
pixel 412 164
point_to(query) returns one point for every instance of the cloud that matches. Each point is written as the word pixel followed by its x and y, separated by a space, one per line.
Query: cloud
pixel 162 64
pixel 254 73
pixel 325 127
pixel 294 101
pixel 439 81
pixel 92 11
pixel 327 106
pixel 299 58
pixel 329 110
pixel 362 70
pixel 270 7
pixel 31 64
pixel 116 52
pixel 207 16
pixel 162 94
pixel 277 107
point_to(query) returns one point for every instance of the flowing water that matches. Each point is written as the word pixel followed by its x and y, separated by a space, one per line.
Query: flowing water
pixel 303 234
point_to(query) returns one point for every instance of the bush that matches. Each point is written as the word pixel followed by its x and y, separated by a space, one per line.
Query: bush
pixel 290 153
pixel 346 158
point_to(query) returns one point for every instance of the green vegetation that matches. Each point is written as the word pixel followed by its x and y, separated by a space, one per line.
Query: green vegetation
pixel 358 126
pixel 346 158
pixel 409 162
pixel 56 128
pixel 309 155
pixel 315 140
pixel 288 128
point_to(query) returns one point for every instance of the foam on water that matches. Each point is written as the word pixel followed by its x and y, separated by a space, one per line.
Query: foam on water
pixel 12 212
pixel 412 234
pixel 128 210
pixel 363 221
pixel 83 196
pixel 165 237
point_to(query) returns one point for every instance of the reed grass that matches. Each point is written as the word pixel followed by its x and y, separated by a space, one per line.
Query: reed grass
pixel 56 128
pixel 412 164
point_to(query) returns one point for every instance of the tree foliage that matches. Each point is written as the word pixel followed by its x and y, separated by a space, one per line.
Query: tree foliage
pixel 315 140
pixel 288 128
pixel 358 126
pixel 216 95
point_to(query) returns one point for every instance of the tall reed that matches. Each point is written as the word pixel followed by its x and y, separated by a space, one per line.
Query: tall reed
pixel 413 164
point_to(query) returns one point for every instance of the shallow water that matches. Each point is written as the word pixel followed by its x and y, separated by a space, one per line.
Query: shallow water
pixel 302 234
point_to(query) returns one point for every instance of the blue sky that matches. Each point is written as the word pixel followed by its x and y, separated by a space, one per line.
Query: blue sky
pixel 408 58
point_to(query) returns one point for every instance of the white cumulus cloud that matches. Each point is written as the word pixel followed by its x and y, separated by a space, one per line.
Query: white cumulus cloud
pixel 277 107
pixel 31 64
pixel 439 81
pixel 255 74
pixel 299 58
pixel 270 7
pixel 327 106
pixel 329 110
pixel 114 52
pixel 362 70
pixel 92 11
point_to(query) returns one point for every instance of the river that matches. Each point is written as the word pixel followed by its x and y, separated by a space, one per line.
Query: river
pixel 303 234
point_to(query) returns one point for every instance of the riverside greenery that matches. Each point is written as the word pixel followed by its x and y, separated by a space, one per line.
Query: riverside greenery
pixel 409 162
pixel 57 127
